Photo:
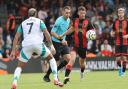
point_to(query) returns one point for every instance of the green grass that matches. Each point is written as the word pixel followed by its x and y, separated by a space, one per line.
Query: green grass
pixel 92 80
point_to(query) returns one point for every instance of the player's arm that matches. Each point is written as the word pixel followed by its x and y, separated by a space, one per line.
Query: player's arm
pixel 49 41
pixel 70 30
pixel 46 33
pixel 48 37
pixel 112 33
pixel 17 37
pixel 15 42
pixel 126 36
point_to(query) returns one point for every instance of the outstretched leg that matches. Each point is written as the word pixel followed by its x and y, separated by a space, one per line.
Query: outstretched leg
pixel 17 74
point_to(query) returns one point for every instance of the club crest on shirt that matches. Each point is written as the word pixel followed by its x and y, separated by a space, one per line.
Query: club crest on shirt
pixel 85 25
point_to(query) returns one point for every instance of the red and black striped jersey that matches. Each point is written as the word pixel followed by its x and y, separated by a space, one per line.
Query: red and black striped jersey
pixel 81 26
pixel 121 29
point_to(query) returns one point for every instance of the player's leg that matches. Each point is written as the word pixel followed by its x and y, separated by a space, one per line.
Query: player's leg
pixel 25 55
pixel 124 63
pixel 82 54
pixel 124 57
pixel 47 54
pixel 63 49
pixel 69 65
pixel 57 57
pixel 47 75
pixel 67 58
pixel 119 64
pixel 45 66
pixel 82 67
pixel 17 74
pixel 118 52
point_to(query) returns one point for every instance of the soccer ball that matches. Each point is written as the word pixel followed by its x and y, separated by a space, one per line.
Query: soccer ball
pixel 91 34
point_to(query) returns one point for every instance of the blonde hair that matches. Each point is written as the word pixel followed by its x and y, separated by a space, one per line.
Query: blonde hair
pixel 32 12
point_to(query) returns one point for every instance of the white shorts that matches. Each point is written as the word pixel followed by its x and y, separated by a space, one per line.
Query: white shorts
pixel 27 51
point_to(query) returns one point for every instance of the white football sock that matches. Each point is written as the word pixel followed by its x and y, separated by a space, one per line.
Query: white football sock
pixel 17 75
pixel 53 66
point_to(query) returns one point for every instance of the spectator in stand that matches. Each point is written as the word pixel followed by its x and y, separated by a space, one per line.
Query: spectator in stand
pixel 1 42
pixel 33 4
pixel 106 49
pixel 10 25
pixel 11 7
pixel 8 46
pixel 90 12
pixel 42 14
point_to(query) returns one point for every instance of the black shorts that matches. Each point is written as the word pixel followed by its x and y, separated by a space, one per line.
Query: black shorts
pixel 121 50
pixel 60 50
pixel 81 52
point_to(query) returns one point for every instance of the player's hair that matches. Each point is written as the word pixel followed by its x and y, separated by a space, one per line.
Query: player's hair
pixel 121 7
pixel 66 7
pixel 81 8
pixel 32 12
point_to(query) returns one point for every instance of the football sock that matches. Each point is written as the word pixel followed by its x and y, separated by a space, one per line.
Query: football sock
pixel 62 64
pixel 82 69
pixel 68 70
pixel 124 66
pixel 49 72
pixel 17 74
pixel 119 63
pixel 53 66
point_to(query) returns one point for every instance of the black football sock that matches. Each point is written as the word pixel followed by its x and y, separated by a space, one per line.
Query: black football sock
pixel 119 63
pixel 82 69
pixel 124 66
pixel 62 64
pixel 68 70
pixel 48 72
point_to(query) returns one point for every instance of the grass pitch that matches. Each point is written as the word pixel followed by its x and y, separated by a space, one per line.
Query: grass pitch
pixel 92 80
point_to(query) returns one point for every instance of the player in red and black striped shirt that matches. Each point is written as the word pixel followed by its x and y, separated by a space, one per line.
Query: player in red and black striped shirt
pixel 79 27
pixel 120 29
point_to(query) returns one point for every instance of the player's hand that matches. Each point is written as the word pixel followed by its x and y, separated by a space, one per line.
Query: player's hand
pixel 61 36
pixel 125 36
pixel 52 49
pixel 64 42
pixel 12 55
pixel 58 37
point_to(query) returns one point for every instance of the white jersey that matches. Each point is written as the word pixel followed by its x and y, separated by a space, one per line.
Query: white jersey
pixel 32 31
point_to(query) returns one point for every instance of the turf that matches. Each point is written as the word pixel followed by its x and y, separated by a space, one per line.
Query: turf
pixel 92 80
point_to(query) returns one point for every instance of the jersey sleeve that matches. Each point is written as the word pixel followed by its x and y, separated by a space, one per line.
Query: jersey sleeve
pixel 56 26
pixel 42 25
pixel 20 30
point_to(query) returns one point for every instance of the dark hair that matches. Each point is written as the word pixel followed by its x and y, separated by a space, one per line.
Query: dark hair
pixel 66 7
pixel 81 8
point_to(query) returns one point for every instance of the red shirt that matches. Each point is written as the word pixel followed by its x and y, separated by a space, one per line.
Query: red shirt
pixel 121 29
pixel 81 26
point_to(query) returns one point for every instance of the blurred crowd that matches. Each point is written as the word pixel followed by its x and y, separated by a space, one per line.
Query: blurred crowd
pixel 101 13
